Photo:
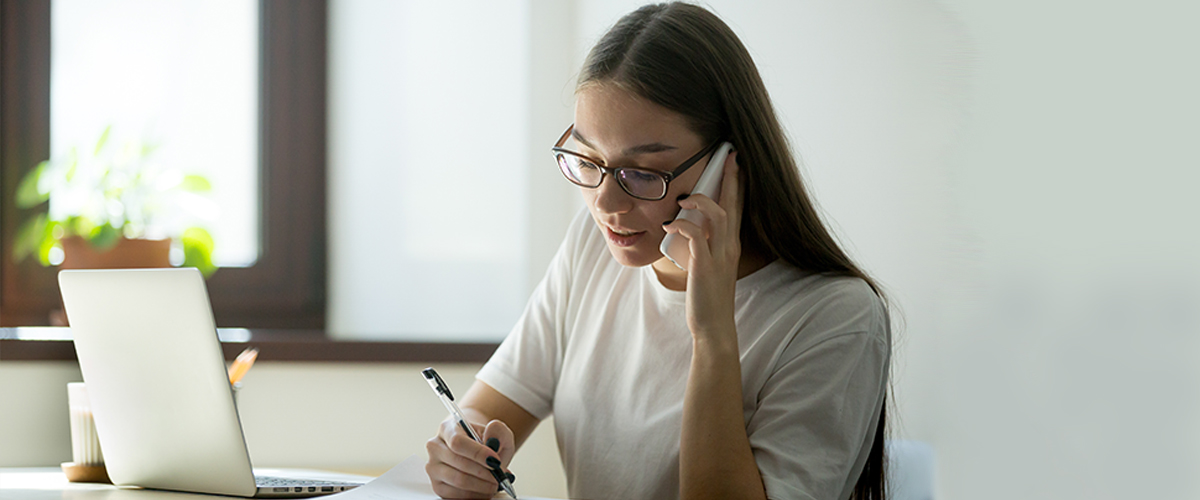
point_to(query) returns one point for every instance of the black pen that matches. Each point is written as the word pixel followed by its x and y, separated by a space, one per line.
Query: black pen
pixel 443 391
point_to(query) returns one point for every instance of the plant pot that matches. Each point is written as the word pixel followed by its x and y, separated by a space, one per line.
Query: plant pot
pixel 127 254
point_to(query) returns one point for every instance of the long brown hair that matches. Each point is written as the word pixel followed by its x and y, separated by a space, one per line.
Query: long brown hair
pixel 684 58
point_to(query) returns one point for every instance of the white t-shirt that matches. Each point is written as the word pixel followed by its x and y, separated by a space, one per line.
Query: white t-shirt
pixel 606 349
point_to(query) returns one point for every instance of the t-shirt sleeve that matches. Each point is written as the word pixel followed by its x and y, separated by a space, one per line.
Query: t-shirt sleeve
pixel 820 406
pixel 526 366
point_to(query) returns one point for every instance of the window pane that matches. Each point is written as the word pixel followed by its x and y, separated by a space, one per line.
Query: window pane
pixel 180 75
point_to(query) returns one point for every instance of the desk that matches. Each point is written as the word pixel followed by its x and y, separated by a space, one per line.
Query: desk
pixel 49 483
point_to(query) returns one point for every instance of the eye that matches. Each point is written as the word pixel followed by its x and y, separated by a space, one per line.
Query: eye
pixel 640 175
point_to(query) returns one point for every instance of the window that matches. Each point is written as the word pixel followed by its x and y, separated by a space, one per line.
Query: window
pixel 181 76
pixel 285 286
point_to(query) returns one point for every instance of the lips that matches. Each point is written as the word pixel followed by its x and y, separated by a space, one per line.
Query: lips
pixel 623 232
pixel 622 237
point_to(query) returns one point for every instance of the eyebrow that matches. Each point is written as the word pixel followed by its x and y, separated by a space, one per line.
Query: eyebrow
pixel 653 147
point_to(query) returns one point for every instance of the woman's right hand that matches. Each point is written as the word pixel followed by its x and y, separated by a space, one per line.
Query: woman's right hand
pixel 458 465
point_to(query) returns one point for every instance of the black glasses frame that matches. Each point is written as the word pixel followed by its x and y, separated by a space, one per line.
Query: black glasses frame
pixel 666 177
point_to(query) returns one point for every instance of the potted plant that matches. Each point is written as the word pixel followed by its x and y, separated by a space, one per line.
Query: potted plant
pixel 113 206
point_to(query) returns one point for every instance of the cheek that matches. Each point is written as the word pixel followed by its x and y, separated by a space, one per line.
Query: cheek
pixel 663 210
pixel 589 197
pixel 683 185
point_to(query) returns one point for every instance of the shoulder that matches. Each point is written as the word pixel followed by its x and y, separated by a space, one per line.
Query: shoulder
pixel 800 290
pixel 846 295
pixel 847 305
pixel 819 307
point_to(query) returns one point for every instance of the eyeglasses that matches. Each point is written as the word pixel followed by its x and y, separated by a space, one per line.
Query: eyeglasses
pixel 640 183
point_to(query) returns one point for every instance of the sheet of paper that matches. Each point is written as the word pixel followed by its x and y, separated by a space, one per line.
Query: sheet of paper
pixel 405 481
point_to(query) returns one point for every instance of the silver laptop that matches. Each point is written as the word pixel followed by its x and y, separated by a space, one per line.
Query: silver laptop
pixel 147 345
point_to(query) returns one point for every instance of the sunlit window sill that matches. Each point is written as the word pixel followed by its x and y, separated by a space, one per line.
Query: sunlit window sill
pixel 54 344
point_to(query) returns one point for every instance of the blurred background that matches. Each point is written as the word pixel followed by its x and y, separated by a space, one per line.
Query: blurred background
pixel 1019 175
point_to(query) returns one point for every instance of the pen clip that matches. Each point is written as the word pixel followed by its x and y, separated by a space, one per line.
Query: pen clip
pixel 441 387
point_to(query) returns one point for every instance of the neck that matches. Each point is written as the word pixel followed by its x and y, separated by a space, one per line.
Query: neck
pixel 675 278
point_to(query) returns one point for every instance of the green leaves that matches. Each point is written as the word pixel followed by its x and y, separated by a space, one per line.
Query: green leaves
pixel 110 189
pixel 197 250
pixel 28 193
pixel 29 237
pixel 104 237
pixel 195 184
pixel 37 237
pixel 102 140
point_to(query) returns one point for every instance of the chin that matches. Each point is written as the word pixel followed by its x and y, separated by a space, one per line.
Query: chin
pixel 635 257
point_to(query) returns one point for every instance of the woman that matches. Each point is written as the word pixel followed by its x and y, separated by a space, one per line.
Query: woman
pixel 760 371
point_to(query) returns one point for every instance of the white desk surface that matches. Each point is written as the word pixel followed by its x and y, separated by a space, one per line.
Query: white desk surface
pixel 45 483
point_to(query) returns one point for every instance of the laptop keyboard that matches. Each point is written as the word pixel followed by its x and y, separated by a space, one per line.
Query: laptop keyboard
pixel 286 485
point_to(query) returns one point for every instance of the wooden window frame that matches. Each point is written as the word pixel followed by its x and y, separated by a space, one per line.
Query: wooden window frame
pixel 308 346
pixel 286 287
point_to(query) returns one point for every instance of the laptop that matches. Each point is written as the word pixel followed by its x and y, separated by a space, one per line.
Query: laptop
pixel 164 409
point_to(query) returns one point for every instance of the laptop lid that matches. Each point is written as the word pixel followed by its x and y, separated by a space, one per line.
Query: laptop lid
pixel 148 349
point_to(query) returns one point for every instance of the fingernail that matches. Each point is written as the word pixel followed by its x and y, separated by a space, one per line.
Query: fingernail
pixel 494 444
pixel 512 478
pixel 681 197
pixel 493 462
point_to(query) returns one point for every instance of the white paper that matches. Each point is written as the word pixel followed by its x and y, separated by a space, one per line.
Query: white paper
pixel 407 480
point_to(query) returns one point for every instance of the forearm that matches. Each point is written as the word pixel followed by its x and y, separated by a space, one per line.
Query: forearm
pixel 482 404
pixel 715 460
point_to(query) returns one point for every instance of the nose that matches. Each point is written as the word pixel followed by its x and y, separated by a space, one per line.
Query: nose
pixel 610 198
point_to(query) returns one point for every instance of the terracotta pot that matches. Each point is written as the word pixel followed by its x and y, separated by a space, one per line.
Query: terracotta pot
pixel 127 254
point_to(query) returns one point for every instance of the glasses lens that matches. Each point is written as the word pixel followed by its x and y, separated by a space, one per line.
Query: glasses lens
pixel 579 171
pixel 642 183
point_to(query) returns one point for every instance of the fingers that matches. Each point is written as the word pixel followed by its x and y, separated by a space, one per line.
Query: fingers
pixel 442 453
pixel 448 482
pixel 697 240
pixel 722 220
pixel 732 193
pixel 498 433
pixel 463 444
pixel 729 181
pixel 458 464
pixel 450 426
pixel 715 214
pixel 715 228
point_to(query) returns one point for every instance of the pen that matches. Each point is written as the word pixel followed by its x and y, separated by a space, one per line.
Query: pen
pixel 443 391
pixel 242 364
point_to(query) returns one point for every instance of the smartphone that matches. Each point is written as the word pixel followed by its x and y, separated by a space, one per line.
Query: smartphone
pixel 675 247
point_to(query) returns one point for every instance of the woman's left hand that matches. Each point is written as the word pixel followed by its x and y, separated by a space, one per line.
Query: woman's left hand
pixel 715 253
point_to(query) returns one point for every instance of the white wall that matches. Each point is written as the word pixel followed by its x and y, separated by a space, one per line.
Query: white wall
pixel 1020 175
pixel 1067 342
pixel 470 95
pixel 430 168
pixel 361 418
pixel 33 412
